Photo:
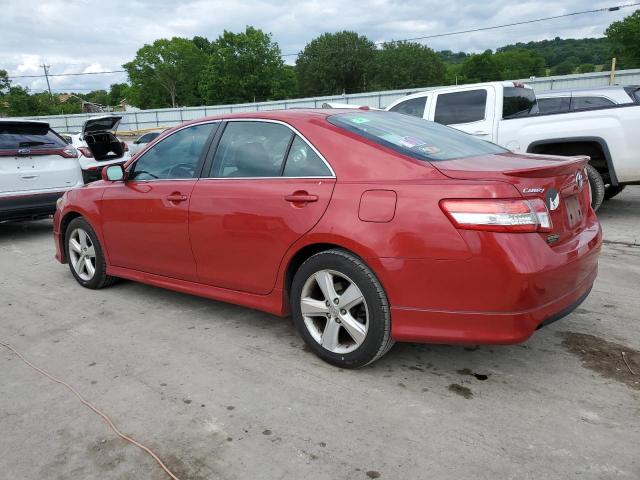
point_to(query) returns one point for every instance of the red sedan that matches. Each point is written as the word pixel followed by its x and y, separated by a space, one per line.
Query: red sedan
pixel 367 227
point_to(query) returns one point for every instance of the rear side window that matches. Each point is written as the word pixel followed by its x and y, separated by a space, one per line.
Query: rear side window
pixel 14 136
pixel 518 102
pixel 585 103
pixel 252 149
pixel 302 161
pixel 461 107
pixel 414 107
pixel 414 137
pixel 554 104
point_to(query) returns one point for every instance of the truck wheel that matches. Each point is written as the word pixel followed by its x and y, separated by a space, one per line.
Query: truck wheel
pixel 611 191
pixel 597 187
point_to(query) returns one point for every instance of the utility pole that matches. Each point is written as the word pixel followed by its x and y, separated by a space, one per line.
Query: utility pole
pixel 46 75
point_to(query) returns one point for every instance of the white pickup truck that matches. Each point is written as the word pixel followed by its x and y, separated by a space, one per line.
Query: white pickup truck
pixel 506 113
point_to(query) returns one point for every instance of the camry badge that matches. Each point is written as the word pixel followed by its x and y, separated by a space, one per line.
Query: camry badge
pixel 553 199
pixel 579 179
pixel 532 190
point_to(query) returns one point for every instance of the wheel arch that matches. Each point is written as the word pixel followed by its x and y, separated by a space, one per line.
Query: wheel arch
pixel 571 143
pixel 67 218
pixel 300 254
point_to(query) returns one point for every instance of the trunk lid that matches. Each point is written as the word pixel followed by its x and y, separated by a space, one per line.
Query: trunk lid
pixel 105 123
pixel 561 182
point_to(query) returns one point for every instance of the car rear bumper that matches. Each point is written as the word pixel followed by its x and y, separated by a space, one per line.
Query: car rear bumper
pixel 455 327
pixel 511 285
pixel 28 206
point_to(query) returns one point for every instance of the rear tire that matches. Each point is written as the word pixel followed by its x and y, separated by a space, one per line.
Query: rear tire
pixel 611 191
pixel 596 183
pixel 84 255
pixel 346 319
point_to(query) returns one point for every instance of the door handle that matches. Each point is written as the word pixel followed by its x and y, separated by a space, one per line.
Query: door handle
pixel 480 132
pixel 301 197
pixel 27 177
pixel 176 197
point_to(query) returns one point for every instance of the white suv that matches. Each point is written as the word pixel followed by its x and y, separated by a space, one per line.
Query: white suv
pixel 98 146
pixel 36 167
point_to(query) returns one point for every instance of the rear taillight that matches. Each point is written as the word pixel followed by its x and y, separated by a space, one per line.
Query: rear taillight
pixel 69 152
pixel 86 151
pixel 517 215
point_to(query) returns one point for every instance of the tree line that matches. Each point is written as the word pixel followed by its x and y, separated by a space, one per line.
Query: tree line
pixel 248 67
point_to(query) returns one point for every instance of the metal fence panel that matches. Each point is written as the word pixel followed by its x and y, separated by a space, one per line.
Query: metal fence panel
pixel 167 117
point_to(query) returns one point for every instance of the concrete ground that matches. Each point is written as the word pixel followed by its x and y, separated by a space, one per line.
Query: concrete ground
pixel 223 392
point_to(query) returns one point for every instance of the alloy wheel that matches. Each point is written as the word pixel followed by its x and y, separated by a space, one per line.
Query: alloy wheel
pixel 82 254
pixel 334 311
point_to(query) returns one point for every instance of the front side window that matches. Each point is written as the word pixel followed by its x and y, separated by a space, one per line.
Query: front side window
pixel 175 157
pixel 414 137
pixel 585 103
pixel 460 107
pixel 302 161
pixel 252 149
pixel 414 107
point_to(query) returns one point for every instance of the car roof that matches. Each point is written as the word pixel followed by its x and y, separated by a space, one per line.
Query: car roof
pixel 291 115
pixel 20 121
pixel 603 89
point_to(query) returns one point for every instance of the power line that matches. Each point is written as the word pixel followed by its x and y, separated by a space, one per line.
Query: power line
pixel 68 74
pixel 494 27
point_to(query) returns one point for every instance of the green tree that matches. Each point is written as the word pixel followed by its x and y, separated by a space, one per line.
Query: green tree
pixel 586 68
pixel 406 65
pixel 625 37
pixel 334 63
pixel 245 67
pixel 5 83
pixel 566 67
pixel 519 63
pixel 481 68
pixel 118 92
pixel 166 73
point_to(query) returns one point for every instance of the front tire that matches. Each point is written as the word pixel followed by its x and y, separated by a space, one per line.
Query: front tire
pixel 84 255
pixel 341 309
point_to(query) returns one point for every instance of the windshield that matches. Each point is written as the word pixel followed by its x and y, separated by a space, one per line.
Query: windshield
pixel 519 102
pixel 14 136
pixel 414 137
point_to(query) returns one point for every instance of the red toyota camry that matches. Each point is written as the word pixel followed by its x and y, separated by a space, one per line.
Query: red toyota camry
pixel 367 227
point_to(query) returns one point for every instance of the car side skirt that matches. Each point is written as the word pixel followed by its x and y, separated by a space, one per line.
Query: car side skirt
pixel 270 303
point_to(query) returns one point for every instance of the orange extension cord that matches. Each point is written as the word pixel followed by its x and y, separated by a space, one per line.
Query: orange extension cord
pixel 92 407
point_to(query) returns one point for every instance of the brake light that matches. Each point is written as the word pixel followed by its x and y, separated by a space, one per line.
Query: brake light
pixel 69 152
pixel 86 151
pixel 508 215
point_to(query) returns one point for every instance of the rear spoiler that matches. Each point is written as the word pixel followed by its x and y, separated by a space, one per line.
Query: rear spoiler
pixel 564 166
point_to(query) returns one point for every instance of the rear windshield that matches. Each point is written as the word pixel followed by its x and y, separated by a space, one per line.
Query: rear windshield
pixel 14 136
pixel 414 137
pixel 519 102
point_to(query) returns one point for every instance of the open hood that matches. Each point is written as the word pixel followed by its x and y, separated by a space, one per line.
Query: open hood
pixel 106 123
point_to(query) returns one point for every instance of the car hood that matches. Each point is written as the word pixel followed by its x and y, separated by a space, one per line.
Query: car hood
pixel 101 124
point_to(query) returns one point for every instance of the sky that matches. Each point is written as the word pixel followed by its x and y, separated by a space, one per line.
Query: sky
pixel 92 36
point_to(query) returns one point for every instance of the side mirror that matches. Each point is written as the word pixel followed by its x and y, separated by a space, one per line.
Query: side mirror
pixel 113 173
